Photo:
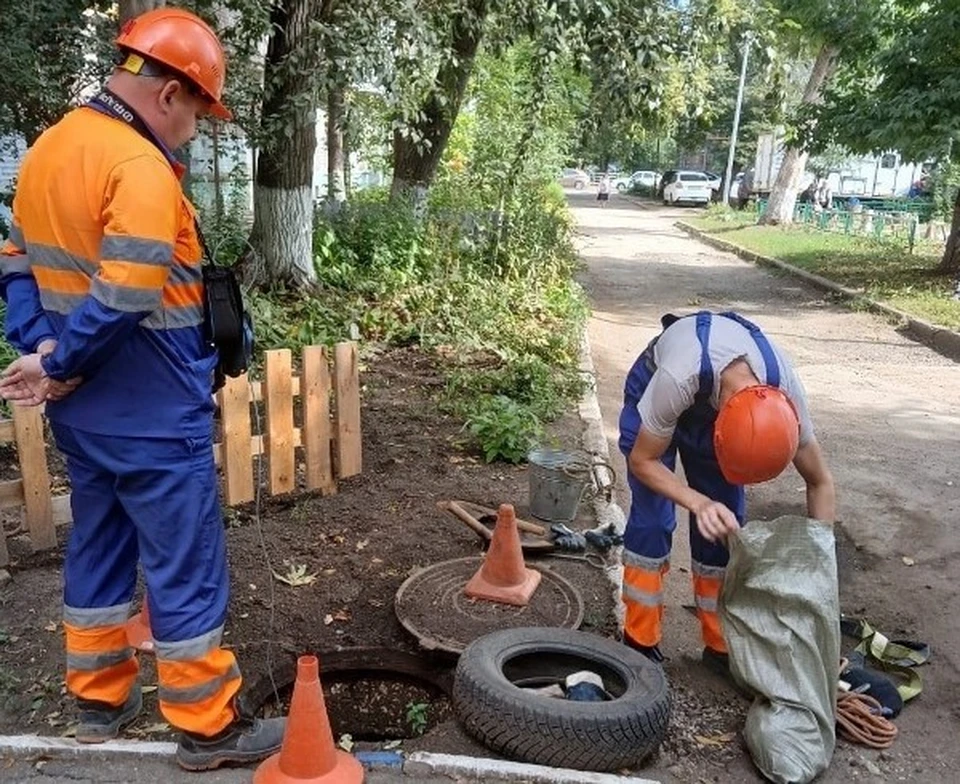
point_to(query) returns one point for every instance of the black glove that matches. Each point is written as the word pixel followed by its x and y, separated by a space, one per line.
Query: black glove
pixel 603 537
pixel 566 539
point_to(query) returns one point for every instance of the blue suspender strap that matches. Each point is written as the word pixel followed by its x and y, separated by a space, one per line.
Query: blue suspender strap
pixel 766 350
pixel 706 369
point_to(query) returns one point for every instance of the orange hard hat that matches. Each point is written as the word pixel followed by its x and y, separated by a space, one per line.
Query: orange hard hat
pixel 184 43
pixel 756 435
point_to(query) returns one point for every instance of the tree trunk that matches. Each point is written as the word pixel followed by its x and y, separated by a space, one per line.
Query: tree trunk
pixel 336 188
pixel 783 196
pixel 347 166
pixel 282 234
pixel 950 262
pixel 132 8
pixel 417 149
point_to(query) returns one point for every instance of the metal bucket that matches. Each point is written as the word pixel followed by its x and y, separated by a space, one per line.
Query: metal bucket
pixel 558 480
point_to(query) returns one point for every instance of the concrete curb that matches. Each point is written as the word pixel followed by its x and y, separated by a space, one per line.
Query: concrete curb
pixel 941 339
pixel 595 442
pixel 422 763
pixel 417 765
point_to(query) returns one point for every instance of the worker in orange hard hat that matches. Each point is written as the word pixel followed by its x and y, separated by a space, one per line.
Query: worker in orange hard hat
pixel 714 389
pixel 102 277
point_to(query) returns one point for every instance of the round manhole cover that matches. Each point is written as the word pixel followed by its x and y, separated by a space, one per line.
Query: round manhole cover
pixel 431 606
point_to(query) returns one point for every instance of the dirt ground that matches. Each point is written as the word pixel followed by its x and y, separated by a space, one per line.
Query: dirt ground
pixel 887 412
pixel 359 546
pixel 885 408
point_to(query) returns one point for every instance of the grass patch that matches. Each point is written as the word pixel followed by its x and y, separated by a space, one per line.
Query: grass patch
pixel 883 271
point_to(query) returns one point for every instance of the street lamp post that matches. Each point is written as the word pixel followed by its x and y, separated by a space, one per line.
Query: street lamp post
pixel 736 121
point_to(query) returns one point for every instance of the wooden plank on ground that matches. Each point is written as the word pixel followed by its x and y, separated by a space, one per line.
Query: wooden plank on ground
pixel 11 493
pixel 31 453
pixel 279 414
pixel 347 391
pixel 317 444
pixel 235 451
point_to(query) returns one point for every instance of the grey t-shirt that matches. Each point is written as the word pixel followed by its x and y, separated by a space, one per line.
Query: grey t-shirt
pixel 677 378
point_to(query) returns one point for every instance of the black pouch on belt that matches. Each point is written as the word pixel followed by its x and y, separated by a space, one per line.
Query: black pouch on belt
pixel 227 324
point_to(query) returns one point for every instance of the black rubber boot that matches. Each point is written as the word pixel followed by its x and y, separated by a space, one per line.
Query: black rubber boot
pixel 242 742
pixel 100 722
pixel 652 652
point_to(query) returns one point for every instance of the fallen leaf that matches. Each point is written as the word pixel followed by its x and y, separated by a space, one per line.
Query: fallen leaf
pixel 296 575
pixel 51 627
pixel 328 572
pixel 392 744
pixel 346 743
pixel 148 689
pixel 327 620
pixel 715 740
pixel 908 561
pixel 363 543
pixel 341 615
pixel 376 560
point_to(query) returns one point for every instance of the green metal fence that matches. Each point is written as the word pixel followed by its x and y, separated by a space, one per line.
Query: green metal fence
pixel 873 222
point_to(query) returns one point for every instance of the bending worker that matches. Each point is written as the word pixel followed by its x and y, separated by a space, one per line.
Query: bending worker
pixel 102 280
pixel 712 388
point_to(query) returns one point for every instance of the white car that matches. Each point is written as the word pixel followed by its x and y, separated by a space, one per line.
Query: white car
pixel 648 178
pixel 687 186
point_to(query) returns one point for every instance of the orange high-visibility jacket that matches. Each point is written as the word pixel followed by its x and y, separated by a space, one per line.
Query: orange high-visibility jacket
pixel 102 226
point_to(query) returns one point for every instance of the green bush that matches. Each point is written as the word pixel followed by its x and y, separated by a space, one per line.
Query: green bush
pixel 504 428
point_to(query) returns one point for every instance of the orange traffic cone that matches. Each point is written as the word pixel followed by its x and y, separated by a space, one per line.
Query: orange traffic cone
pixel 503 576
pixel 139 634
pixel 308 753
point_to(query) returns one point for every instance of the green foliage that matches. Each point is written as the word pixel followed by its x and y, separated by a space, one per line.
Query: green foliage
pixel 417 716
pixel 504 429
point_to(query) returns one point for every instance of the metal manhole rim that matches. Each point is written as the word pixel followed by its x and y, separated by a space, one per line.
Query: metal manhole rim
pixel 434 644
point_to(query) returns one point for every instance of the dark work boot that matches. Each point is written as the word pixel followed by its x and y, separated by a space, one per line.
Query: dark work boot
pixel 652 652
pixel 100 722
pixel 240 743
pixel 719 664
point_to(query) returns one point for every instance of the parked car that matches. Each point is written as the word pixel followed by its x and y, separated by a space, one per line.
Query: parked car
pixel 687 186
pixel 574 178
pixel 643 177
pixel 715 180
pixel 665 178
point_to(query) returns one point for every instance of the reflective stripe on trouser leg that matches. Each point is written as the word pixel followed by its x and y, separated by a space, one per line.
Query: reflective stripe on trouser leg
pixel 101 665
pixel 198 682
pixel 709 559
pixel 643 597
pixel 707 582
pixel 99 577
pixel 646 559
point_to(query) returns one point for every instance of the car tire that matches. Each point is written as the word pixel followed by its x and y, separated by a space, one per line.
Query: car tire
pixel 604 736
pixel 621 188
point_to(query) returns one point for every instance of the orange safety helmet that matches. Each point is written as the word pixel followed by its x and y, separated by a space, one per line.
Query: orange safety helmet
pixel 756 435
pixel 184 43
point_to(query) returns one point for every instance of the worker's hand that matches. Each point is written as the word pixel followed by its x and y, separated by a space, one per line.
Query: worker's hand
pixel 714 520
pixel 25 383
pixel 46 347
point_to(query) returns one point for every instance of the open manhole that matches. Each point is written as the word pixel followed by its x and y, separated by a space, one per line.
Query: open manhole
pixel 371 694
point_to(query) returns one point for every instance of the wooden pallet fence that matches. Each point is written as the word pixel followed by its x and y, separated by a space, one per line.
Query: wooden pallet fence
pixel 328 437
pixel 329 434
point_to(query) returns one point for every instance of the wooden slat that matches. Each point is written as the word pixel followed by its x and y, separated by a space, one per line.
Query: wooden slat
pixel 7 431
pixel 279 429
pixel 236 449
pixel 317 446
pixel 347 392
pixel 11 493
pixel 31 451
pixel 257 446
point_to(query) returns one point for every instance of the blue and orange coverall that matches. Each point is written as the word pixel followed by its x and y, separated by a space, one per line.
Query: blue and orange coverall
pixel 104 256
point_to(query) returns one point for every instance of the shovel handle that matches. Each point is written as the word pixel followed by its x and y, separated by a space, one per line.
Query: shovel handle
pixel 469 519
